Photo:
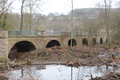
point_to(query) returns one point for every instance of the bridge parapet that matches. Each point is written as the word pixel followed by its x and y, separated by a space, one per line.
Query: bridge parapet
pixel 22 33
pixel 53 33
pixel 64 33
pixel 3 34
pixel 61 37
pixel 44 33
pixel 41 33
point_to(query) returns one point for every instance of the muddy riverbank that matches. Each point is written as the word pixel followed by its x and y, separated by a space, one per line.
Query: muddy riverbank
pixel 82 55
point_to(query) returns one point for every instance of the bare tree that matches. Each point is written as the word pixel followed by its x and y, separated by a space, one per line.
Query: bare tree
pixel 30 6
pixel 104 16
pixel 21 23
pixel 71 28
pixel 107 10
pixel 4 7
pixel 116 18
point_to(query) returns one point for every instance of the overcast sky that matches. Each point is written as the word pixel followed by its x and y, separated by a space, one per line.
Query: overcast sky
pixel 64 6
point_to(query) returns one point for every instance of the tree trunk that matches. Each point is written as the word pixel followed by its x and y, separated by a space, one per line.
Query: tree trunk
pixel 71 26
pixel 21 24
pixel 30 6
pixel 106 22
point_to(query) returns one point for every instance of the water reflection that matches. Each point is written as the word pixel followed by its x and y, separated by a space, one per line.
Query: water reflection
pixel 103 54
pixel 58 72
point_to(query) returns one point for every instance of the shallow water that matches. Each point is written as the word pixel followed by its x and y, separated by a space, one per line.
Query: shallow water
pixel 58 72
pixel 103 55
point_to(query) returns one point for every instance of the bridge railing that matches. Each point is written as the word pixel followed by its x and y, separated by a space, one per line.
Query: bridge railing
pixel 54 33
pixel 22 33
pixel 84 33
pixel 42 33
pixel 74 33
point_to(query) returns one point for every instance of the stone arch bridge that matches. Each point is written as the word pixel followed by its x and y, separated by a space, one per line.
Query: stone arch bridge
pixel 40 40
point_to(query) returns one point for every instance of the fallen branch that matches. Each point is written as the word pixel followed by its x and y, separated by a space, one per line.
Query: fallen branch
pixel 115 76
pixel 106 61
pixel 30 75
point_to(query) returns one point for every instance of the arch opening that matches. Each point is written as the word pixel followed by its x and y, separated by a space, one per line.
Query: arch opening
pixel 101 41
pixel 85 41
pixel 24 46
pixel 74 43
pixel 20 47
pixel 94 41
pixel 106 40
pixel 53 43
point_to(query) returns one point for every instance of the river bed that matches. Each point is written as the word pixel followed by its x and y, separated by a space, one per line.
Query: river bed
pixel 58 72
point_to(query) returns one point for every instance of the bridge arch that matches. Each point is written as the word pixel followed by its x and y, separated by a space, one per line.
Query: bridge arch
pixel 106 40
pixel 74 42
pixel 93 41
pixel 23 46
pixel 52 43
pixel 85 41
pixel 101 40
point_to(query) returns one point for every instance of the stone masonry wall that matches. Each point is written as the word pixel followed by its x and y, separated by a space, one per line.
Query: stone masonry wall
pixel 3 45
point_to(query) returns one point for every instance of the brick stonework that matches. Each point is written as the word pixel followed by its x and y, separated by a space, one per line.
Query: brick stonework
pixel 3 45
pixel 6 43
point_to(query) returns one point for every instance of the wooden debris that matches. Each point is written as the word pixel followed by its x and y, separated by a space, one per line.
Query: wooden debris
pixel 28 62
pixel 64 49
pixel 107 48
pixel 59 47
pixel 114 47
pixel 112 64
pixel 53 48
pixel 76 64
pixel 61 51
pixel 30 75
pixel 70 63
pixel 48 50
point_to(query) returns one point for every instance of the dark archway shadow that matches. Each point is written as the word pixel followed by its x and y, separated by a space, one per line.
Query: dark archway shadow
pixel 52 43
pixel 94 41
pixel 101 41
pixel 106 40
pixel 85 41
pixel 21 47
pixel 74 43
pixel 24 46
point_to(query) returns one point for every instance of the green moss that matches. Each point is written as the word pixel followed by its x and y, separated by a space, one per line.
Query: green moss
pixel 3 59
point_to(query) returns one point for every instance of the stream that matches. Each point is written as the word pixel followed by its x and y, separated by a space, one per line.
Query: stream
pixel 57 72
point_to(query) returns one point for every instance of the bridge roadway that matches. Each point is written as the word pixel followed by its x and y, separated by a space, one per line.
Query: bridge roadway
pixel 27 43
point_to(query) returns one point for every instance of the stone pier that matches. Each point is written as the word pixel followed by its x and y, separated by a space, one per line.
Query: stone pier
pixel 3 45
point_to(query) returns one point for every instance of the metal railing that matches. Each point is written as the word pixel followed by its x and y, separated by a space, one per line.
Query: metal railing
pixel 74 33
pixel 54 33
pixel 22 33
pixel 39 33
pixel 85 33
